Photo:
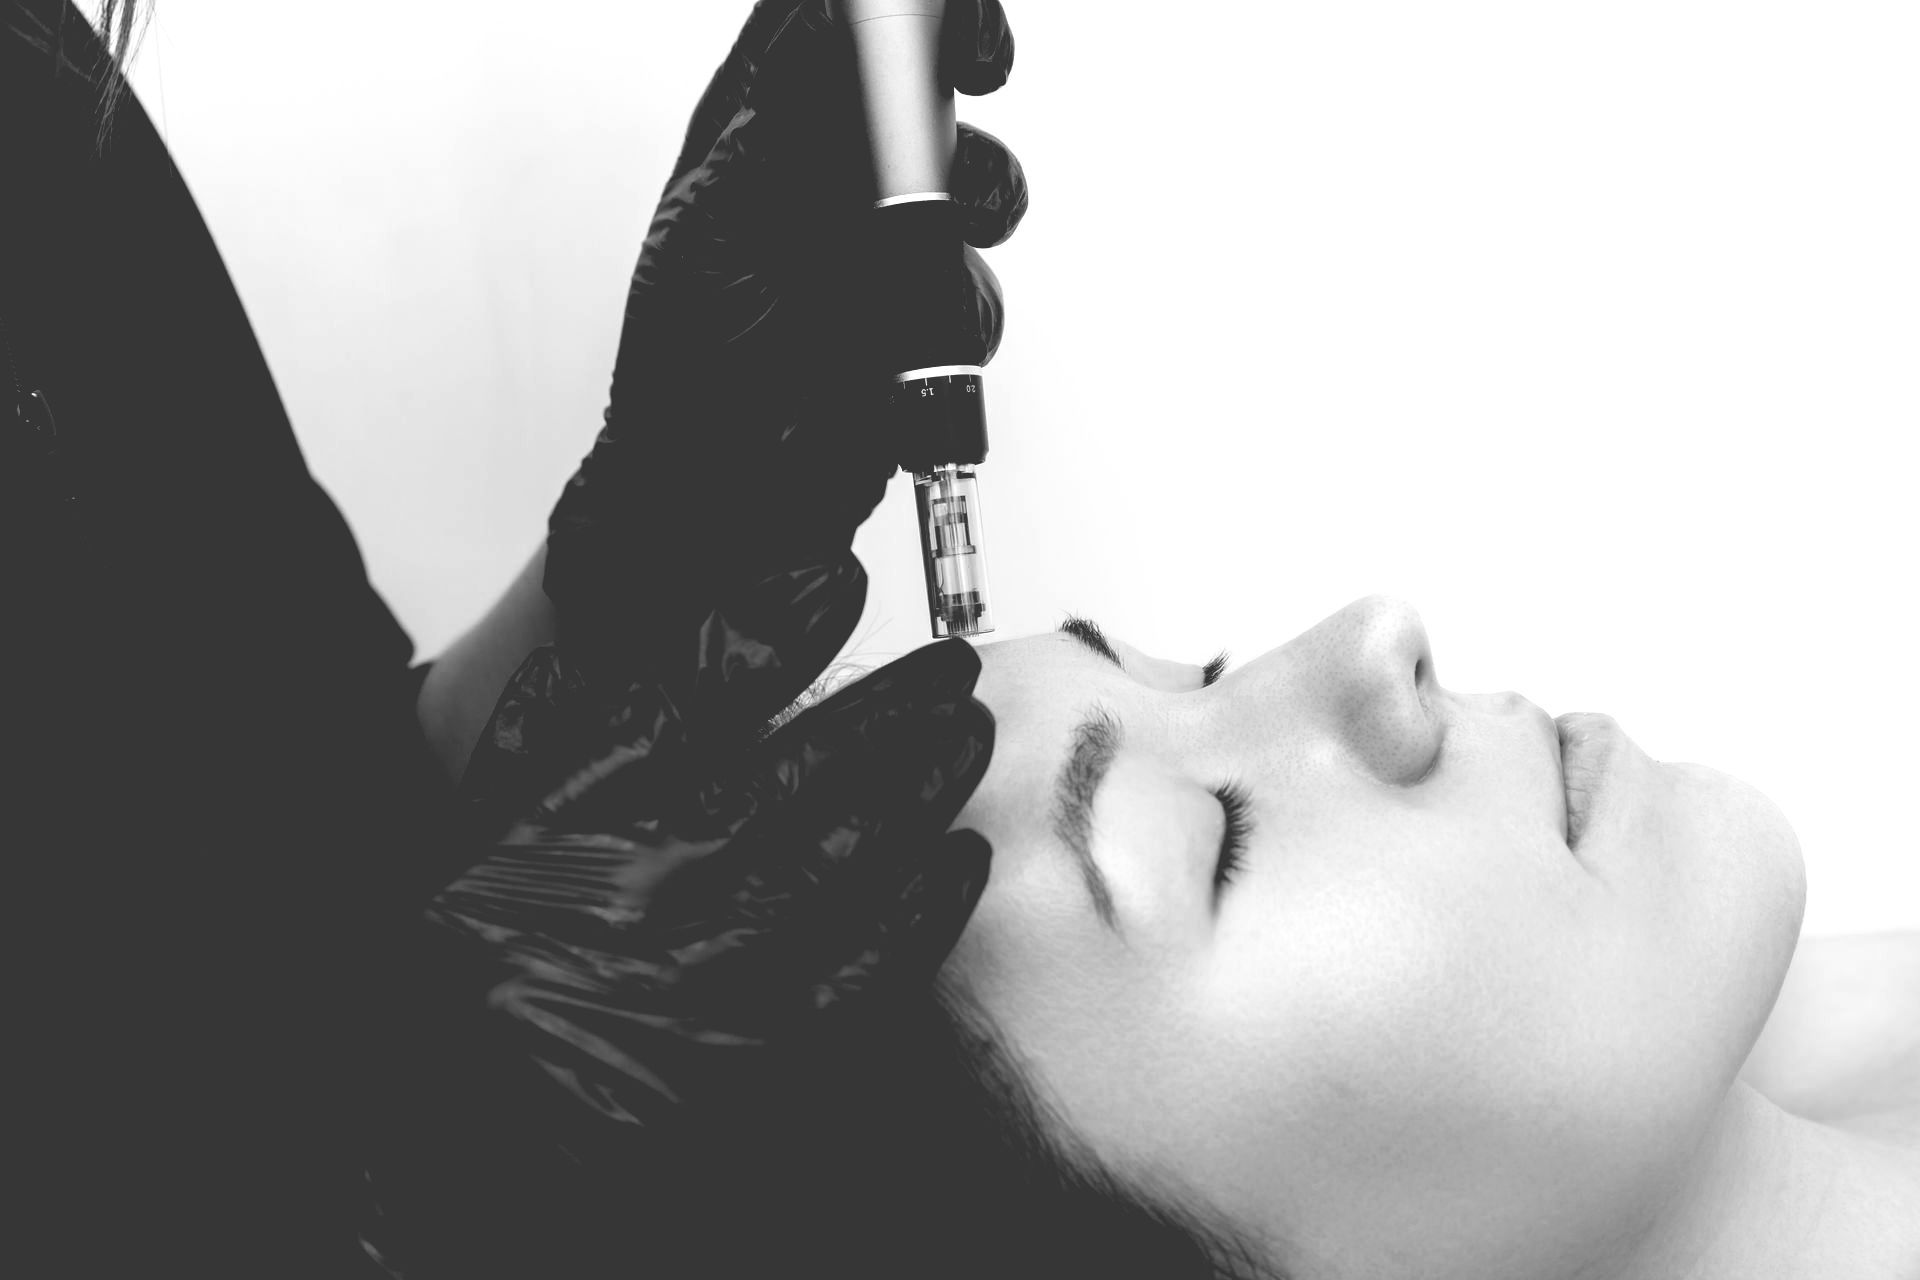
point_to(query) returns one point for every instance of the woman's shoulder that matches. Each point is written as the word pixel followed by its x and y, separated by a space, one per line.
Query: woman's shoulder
pixel 1843 1040
pixel 1896 1126
pixel 1887 1105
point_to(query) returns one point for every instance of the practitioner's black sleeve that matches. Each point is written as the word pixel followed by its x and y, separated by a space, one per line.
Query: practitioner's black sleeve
pixel 213 770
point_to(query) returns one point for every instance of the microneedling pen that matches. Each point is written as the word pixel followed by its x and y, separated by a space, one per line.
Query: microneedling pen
pixel 937 408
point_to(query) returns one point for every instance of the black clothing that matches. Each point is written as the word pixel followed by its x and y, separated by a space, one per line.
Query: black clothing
pixel 212 764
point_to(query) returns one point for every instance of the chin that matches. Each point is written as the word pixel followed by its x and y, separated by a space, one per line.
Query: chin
pixel 1762 842
pixel 1750 880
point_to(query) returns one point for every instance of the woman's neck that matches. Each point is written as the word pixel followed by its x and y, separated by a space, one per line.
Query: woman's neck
pixel 1772 1194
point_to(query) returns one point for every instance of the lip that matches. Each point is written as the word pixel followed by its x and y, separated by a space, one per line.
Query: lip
pixel 1589 741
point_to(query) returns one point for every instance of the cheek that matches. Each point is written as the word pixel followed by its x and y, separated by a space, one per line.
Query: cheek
pixel 1035 960
pixel 1435 1055
pixel 1005 945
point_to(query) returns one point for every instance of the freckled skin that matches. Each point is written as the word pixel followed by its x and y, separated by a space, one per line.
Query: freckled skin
pixel 1419 1037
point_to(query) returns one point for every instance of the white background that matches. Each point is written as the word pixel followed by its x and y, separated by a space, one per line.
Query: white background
pixel 1592 330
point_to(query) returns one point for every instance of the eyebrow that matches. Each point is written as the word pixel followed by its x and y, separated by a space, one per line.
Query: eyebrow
pixel 1096 741
pixel 1088 633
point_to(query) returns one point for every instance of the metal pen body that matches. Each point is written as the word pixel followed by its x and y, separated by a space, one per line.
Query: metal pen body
pixel 937 406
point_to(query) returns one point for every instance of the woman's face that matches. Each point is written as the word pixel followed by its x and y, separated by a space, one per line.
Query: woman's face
pixel 1417 1034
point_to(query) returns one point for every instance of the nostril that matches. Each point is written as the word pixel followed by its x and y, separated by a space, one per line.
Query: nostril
pixel 1424 680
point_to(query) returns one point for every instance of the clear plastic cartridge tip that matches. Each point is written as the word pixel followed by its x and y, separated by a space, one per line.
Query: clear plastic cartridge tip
pixel 948 501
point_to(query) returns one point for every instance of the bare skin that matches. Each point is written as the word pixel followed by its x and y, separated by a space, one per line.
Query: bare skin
pixel 1421 1033
pixel 1843 1042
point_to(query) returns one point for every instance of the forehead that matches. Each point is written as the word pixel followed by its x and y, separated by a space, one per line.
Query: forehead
pixel 1039 688
pixel 1055 663
pixel 1036 687
pixel 1021 669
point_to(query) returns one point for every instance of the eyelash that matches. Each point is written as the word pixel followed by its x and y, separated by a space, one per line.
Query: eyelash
pixel 1214 669
pixel 1233 841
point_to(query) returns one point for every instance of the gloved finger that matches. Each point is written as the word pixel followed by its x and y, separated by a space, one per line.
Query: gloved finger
pixel 767 642
pixel 942 672
pixel 824 931
pixel 988 307
pixel 907 945
pixel 976 46
pixel 802 893
pixel 606 847
pixel 789 167
pixel 826 799
pixel 833 745
pixel 583 916
pixel 989 183
pixel 804 81
pixel 961 300
pixel 709 683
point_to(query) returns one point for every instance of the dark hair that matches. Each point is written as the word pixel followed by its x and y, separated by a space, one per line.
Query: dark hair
pixel 917 1147
pixel 113 77
pixel 100 60
pixel 913 1146
pixel 1007 1168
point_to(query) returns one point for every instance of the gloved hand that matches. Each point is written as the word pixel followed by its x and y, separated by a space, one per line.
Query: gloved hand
pixel 742 433
pixel 634 966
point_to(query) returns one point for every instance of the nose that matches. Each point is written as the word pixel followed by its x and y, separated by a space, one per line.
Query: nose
pixel 1375 678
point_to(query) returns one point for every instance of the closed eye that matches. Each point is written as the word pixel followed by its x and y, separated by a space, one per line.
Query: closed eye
pixel 1236 805
pixel 1237 823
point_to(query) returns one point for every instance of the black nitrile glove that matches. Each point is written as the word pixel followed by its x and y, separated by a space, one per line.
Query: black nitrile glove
pixel 742 433
pixel 651 937
pixel 629 980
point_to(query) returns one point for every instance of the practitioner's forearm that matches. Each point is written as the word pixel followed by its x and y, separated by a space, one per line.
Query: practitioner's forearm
pixel 460 691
